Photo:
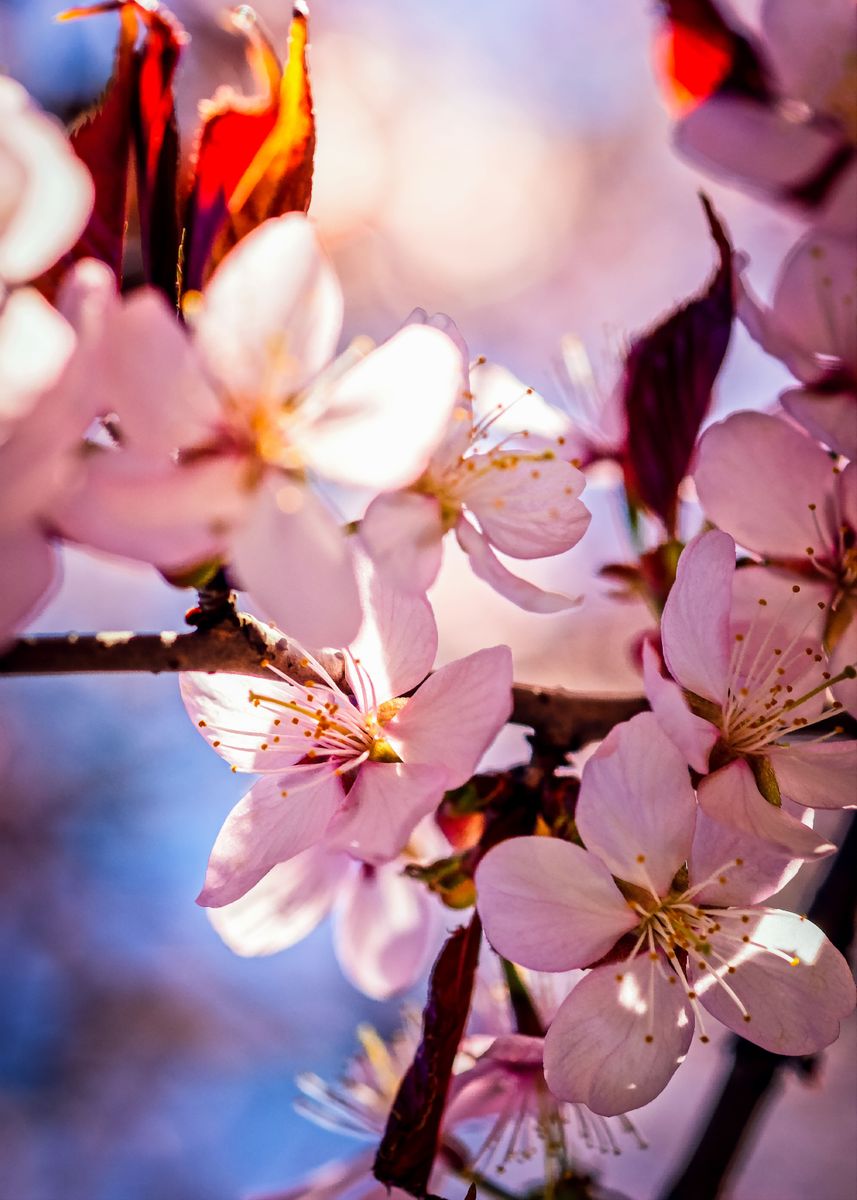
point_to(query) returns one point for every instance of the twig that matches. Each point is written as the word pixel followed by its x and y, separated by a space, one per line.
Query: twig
pixel 244 646
pixel 747 1087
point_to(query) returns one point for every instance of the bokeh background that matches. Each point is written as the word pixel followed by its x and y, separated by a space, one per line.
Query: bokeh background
pixel 509 164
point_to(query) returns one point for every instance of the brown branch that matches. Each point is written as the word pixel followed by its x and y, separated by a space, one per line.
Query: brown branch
pixel 243 646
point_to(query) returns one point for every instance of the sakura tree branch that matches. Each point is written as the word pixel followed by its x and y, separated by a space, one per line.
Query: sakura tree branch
pixel 241 645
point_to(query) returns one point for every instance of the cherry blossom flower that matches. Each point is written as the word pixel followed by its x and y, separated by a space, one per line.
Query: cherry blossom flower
pixel 496 493
pixel 355 769
pixel 45 192
pixel 811 327
pixel 648 894
pixel 742 691
pixel 779 495
pixel 794 137
pixel 44 413
pixel 220 430
pixel 387 926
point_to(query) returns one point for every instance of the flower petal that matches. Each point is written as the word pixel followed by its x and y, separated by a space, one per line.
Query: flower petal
pixel 757 477
pixel 403 535
pixel 384 417
pixel 271 313
pixel 220 707
pixel 269 826
pixel 831 419
pixel 741 869
pixel 454 716
pixel 527 507
pixel 695 625
pixel 397 642
pixel 387 928
pixel 730 795
pixel 294 560
pixel 549 905
pixel 792 983
pixel 485 565
pixel 693 736
pixel 618 1038
pixel 636 808
pixel 283 907
pixel 818 774
pixel 383 807
pixel 29 567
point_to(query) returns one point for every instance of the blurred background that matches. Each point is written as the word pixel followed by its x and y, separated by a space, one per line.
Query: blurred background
pixel 510 165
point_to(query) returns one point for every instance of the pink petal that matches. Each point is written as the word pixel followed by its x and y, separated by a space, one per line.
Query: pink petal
pixel 267 827
pixel 219 705
pixel 808 45
pixel 695 627
pixel 485 565
pixel 384 417
pixel 36 344
pixel 596 1050
pixel 28 567
pixel 814 298
pixel 386 930
pixel 455 715
pixel 549 905
pixel 757 477
pixel 751 868
pixel 403 535
pixel 845 654
pixel 831 419
pixel 753 143
pixel 817 774
pixel 397 642
pixel 637 809
pixel 284 906
pixel 271 313
pixel 527 508
pixel 513 407
pixel 730 795
pixel 294 560
pixel 794 1007
pixel 693 736
pixel 53 191
pixel 383 807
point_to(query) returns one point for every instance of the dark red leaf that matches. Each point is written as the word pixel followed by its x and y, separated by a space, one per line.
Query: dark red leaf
pixel 699 53
pixel 254 155
pixel 410 1142
pixel 667 386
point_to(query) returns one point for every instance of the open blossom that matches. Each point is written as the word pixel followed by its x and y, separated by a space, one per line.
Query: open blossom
pixel 648 891
pixel 743 697
pixel 45 191
pixel 791 132
pixel 496 491
pixel 356 769
pixel 779 495
pixel 386 925
pixel 222 430
pixel 811 327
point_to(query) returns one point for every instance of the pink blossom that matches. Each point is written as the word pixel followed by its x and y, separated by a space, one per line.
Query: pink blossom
pixel 515 493
pixel 743 696
pixel 387 926
pixel 675 952
pixel 811 327
pixel 356 769
pixel 45 191
pixel 221 429
pixel 794 138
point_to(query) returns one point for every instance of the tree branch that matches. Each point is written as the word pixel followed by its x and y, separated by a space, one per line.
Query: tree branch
pixel 242 645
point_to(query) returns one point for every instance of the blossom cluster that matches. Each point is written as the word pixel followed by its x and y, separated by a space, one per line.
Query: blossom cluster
pixel 208 422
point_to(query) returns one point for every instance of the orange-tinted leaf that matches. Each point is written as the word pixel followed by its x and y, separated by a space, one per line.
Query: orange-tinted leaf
pixel 699 53
pixel 255 153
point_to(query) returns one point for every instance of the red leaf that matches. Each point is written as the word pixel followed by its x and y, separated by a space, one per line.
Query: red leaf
pixel 698 54
pixel 254 154
pixel 409 1145
pixel 667 386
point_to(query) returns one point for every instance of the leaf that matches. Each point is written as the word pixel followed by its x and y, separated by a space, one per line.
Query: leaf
pixel 254 154
pixel 667 386
pixel 407 1151
pixel 699 54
